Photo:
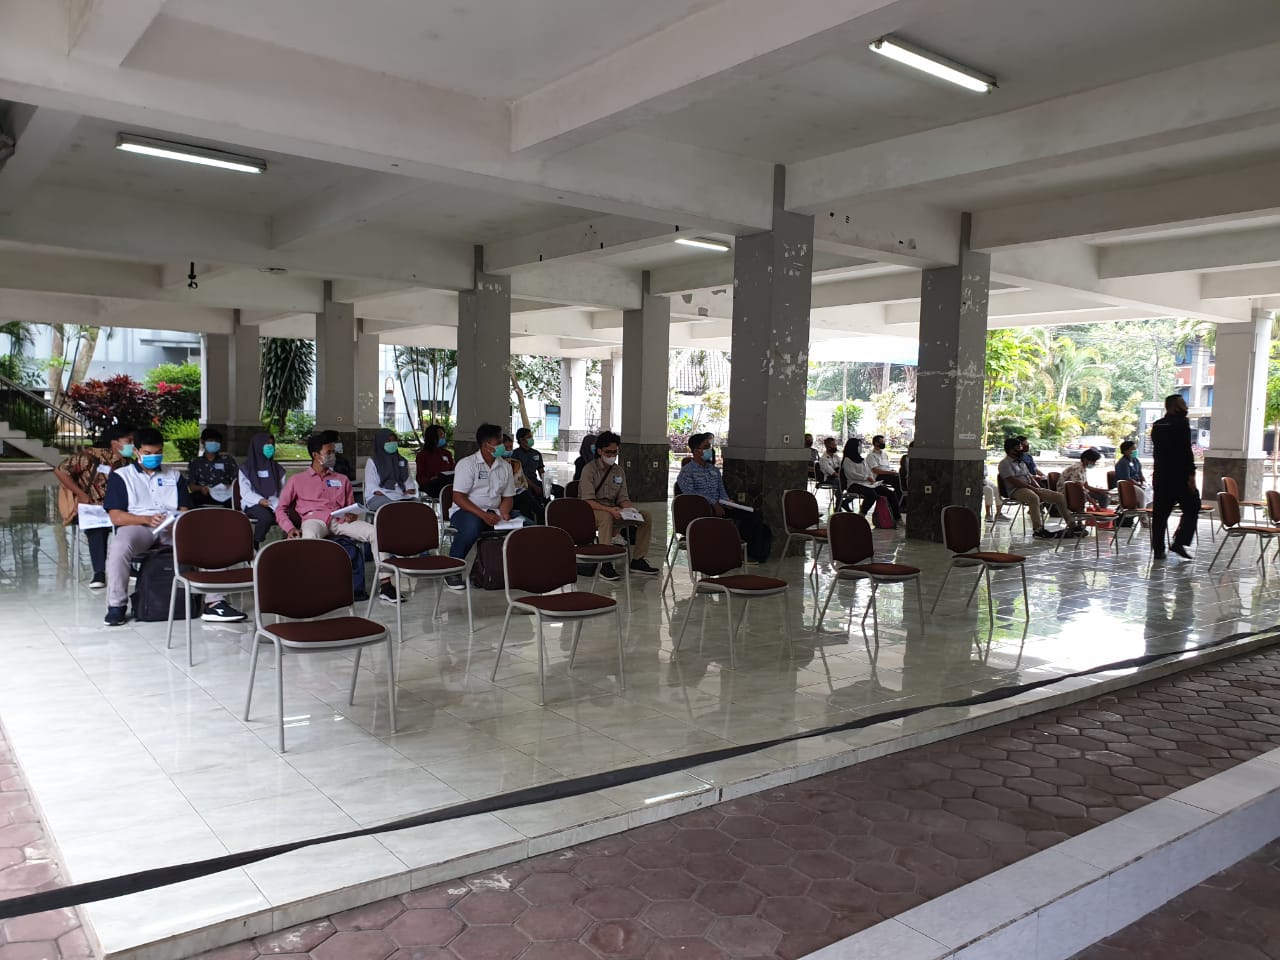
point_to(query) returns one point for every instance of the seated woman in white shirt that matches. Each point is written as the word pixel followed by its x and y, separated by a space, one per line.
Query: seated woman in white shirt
pixel 261 480
pixel 386 474
pixel 859 482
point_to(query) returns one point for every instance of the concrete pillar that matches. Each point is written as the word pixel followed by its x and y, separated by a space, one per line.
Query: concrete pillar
pixel 369 387
pixel 772 277
pixel 947 461
pixel 611 393
pixel 215 380
pixel 484 359
pixel 646 361
pixel 336 351
pixel 1239 404
pixel 573 403
pixel 245 388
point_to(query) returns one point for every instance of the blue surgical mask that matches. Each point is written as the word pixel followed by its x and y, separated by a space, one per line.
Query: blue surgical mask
pixel 500 450
pixel 708 455
pixel 152 461
pixel 391 446
pixel 126 451
pixel 212 446
pixel 593 449
pixel 268 450
pixel 442 441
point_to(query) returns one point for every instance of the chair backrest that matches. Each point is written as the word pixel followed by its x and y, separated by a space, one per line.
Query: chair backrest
pixel 961 529
pixel 1111 479
pixel 1230 486
pixel 1128 494
pixel 538 560
pixel 575 517
pixel 406 528
pixel 1053 477
pixel 571 488
pixel 687 508
pixel 212 538
pixel 1073 493
pixel 1228 508
pixel 714 545
pixel 446 500
pixel 1273 505
pixel 799 510
pixel 301 579
pixel 850 537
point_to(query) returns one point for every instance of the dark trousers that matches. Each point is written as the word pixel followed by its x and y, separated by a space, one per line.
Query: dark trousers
pixel 754 532
pixel 531 505
pixel 98 550
pixel 1162 504
pixel 264 518
pixel 435 486
pixel 869 496
pixel 201 500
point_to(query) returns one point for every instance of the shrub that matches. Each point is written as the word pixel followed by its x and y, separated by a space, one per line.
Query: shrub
pixel 185 435
pixel 116 400
pixel 298 425
pixel 177 385
pixel 845 417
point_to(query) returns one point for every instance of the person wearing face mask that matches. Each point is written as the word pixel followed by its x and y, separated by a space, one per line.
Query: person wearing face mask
pixel 139 498
pixel 340 462
pixel 586 454
pixel 701 477
pixel 434 464
pixel 531 462
pixel 1174 480
pixel 386 473
pixel 484 491
pixel 877 461
pixel 83 477
pixel 1129 467
pixel 313 495
pixel 210 475
pixel 261 480
pixel 604 487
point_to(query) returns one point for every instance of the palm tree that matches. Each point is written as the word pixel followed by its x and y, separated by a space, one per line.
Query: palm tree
pixel 287 368
pixel 1069 366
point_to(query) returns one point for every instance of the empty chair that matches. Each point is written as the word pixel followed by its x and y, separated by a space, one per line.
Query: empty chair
pixel 684 510
pixel 1053 479
pixel 1229 514
pixel 576 518
pixel 853 555
pixel 536 561
pixel 212 553
pixel 1077 503
pixel 302 582
pixel 804 522
pixel 715 550
pixel 962 535
pixel 1230 486
pixel 571 489
pixel 410 533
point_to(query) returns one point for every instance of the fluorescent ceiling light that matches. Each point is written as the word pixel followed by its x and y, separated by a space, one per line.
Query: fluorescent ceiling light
pixel 933 64
pixel 187 153
pixel 702 244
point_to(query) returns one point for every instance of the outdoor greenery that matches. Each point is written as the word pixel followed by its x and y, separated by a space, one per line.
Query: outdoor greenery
pixel 534 377
pixel 116 400
pixel 288 367
pixel 298 426
pixel 184 435
pixel 424 375
pixel 178 387
pixel 845 417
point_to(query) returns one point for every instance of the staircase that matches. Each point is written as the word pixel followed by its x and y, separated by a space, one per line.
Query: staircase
pixel 36 427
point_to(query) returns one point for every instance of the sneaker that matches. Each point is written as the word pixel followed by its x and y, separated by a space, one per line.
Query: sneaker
pixel 619 541
pixel 389 594
pixel 221 612
pixel 608 573
pixel 455 582
pixel 99 582
pixel 1045 534
pixel 642 566
pixel 115 617
pixel 1181 551
pixel 361 597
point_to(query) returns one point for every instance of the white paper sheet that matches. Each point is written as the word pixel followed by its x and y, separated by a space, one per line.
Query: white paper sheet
pixel 631 513
pixel 220 492
pixel 353 511
pixel 93 517
pixel 513 524
pixel 738 506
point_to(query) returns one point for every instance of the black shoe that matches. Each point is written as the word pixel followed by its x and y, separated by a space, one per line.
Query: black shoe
pixel 389 594
pixel 221 612
pixel 1157 555
pixel 642 566
pixel 115 617
pixel 1181 551
pixel 361 597
pixel 99 582
pixel 608 573
pixel 586 570
pixel 455 582
pixel 1043 534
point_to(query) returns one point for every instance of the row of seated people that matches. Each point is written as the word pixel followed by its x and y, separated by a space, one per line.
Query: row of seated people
pixel 851 474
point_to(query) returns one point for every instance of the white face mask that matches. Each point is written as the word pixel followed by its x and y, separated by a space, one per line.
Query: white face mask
pixel 609 461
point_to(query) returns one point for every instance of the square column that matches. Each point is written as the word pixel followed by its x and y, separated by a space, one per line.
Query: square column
pixel 215 380
pixel 610 393
pixel 948 460
pixel 336 338
pixel 231 385
pixel 484 359
pixel 369 390
pixel 646 361
pixel 573 403
pixel 773 285
pixel 1239 404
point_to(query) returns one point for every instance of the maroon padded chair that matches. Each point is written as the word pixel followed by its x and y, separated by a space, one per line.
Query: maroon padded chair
pixel 301 583
pixel 212 553
pixel 410 532
pixel 685 509
pixel 538 566
pixel 715 551
pixel 1077 498
pixel 853 553
pixel 962 535
pixel 576 518
pixel 804 522
pixel 1229 515
pixel 1129 506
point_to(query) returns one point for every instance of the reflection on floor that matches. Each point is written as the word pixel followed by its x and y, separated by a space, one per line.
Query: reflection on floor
pixel 189 779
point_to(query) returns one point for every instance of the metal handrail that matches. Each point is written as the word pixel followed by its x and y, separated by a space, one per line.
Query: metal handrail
pixel 59 412
pixel 35 416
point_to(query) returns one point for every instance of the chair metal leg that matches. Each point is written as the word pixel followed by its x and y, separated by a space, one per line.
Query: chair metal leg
pixel 733 629
pixel 675 649
pixel 253 672
pixel 391 682
pixel 974 591
pixel 373 594
pixel 1236 553
pixel 919 601
pixel 786 548
pixel 1219 552
pixel 471 623
pixel 173 602
pixel 991 610
pixel 502 640
pixel 830 590
pixel 191 659
pixel 942 586
pixel 622 677
pixel 573 649
pixel 542 662
pixel 626 578
pixel 399 608
pixel 280 692
pixel 355 675
pixel 1026 597
pixel 786 621
pixel 435 612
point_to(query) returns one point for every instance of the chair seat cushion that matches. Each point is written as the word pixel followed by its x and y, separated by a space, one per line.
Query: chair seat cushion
pixel 332 630
pixel 746 582
pixel 819 533
pixel 425 564
pixel 993 556
pixel 1099 515
pixel 1252 529
pixel 599 550
pixel 576 601
pixel 220 577
pixel 886 569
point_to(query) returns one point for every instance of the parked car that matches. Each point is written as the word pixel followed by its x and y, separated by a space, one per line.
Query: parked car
pixel 1103 445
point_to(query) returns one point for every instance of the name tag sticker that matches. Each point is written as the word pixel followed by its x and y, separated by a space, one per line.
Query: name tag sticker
pixel 159 482
pixel 103 468
pixel 617 481
pixel 219 466
pixel 482 475
pixel 264 473
pixel 333 483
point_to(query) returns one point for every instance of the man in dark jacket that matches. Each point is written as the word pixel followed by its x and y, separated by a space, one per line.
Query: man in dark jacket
pixel 1174 480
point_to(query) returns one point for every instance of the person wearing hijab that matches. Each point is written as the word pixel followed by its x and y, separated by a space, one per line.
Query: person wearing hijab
pixel 434 463
pixel 261 480
pixel 586 454
pixel 386 473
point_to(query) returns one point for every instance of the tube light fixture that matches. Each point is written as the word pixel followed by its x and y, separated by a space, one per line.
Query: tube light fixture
pixel 702 244
pixel 933 64
pixel 187 153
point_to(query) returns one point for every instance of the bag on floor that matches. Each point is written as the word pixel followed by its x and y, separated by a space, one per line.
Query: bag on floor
pixel 486 571
pixel 355 550
pixel 881 515
pixel 150 600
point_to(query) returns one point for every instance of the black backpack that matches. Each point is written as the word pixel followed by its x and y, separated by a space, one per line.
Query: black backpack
pixel 486 571
pixel 155 582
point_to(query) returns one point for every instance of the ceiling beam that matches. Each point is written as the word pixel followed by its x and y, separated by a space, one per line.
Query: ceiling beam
pixel 1206 251
pixel 27 307
pixel 344 205
pixel 575 241
pixel 717 271
pixel 1255 282
pixel 580 285
pixel 903 232
pixel 41 134
pixel 106 31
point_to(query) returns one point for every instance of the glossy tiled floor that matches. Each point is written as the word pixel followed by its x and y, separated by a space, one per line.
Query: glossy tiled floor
pixel 190 779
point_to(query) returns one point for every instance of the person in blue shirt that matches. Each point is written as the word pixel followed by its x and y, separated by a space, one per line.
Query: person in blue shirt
pixel 701 477
pixel 1129 467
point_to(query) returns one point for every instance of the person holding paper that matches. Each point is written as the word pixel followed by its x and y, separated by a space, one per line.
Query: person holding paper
pixel 701 476
pixel 604 486
pixel 386 473
pixel 142 500
pixel 210 476
pixel 859 481
pixel 484 490
pixel 261 480
pixel 83 476
pixel 877 461
pixel 322 501
pixel 434 464
pixel 531 460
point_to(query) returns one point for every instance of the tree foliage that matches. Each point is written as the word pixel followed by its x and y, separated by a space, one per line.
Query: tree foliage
pixel 288 368
pixel 534 377
pixel 116 401
pixel 845 417
pixel 177 385
pixel 425 375
pixel 890 407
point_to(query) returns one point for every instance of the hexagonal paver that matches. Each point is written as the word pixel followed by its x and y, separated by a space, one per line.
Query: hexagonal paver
pixel 496 906
pixel 619 938
pixel 300 939
pixel 355 945
pixel 557 950
pixel 791 914
pixel 777 881
pixel 372 916
pixel 821 864
pixel 613 903
pixel 745 936
pixel 544 888
pixel 557 922
pixel 703 841
pixel 747 827
pixel 489 943
pixel 761 852
pixel 655 856
pixel 605 871
pixel 716 866
pixel 669 884
pixel 433 927
pixel 672 919
pixel 728 899
pixel 685 949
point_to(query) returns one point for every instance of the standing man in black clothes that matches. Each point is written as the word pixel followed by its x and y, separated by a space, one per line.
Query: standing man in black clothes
pixel 1175 479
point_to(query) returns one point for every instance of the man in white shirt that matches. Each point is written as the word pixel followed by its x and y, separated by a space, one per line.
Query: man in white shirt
pixel 829 462
pixel 1020 486
pixel 483 490
pixel 877 461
